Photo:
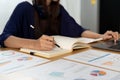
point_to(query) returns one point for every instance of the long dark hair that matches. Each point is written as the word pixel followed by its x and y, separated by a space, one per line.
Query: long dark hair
pixel 47 19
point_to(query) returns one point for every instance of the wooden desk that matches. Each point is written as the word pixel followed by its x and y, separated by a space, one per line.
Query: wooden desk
pixel 74 52
pixel 54 58
pixel 64 55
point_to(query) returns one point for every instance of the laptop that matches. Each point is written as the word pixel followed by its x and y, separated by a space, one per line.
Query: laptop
pixel 108 45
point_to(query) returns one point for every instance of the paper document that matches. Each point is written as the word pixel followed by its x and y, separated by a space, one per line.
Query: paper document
pixel 11 61
pixel 64 70
pixel 98 58
pixel 89 40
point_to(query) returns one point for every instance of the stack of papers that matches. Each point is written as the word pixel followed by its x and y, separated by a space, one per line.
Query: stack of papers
pixel 98 58
pixel 64 70
pixel 12 61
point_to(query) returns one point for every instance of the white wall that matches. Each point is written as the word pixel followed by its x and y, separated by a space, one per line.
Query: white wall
pixel 84 12
pixel 74 8
pixel 90 15
pixel 6 8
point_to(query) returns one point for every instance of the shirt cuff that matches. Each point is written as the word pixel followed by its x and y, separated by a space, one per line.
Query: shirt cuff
pixel 3 37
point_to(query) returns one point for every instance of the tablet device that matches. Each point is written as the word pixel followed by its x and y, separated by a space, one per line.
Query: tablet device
pixel 108 45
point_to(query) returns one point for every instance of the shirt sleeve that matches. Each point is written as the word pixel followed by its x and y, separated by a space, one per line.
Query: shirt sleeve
pixel 69 27
pixel 14 24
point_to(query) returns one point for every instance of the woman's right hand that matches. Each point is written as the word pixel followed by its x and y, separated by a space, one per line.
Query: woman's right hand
pixel 44 43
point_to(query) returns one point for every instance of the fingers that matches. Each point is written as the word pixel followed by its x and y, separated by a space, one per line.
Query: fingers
pixel 111 34
pixel 115 36
pixel 48 38
pixel 46 42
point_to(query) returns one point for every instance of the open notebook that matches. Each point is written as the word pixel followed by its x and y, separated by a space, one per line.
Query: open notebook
pixel 67 45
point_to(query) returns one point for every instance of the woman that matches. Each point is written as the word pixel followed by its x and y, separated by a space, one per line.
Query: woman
pixel 31 26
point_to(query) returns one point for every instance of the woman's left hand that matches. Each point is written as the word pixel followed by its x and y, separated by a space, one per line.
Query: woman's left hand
pixel 110 34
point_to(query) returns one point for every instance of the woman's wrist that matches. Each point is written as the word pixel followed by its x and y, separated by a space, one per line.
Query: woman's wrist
pixel 101 36
pixel 29 43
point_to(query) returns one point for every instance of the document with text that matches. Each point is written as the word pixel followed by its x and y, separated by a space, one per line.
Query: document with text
pixel 98 58
pixel 11 61
pixel 64 70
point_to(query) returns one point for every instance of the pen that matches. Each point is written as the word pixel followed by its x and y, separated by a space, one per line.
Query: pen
pixel 57 45
pixel 32 26
pixel 32 53
pixel 54 42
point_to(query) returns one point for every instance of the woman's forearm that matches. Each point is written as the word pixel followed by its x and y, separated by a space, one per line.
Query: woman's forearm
pixel 15 42
pixel 43 43
pixel 90 34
